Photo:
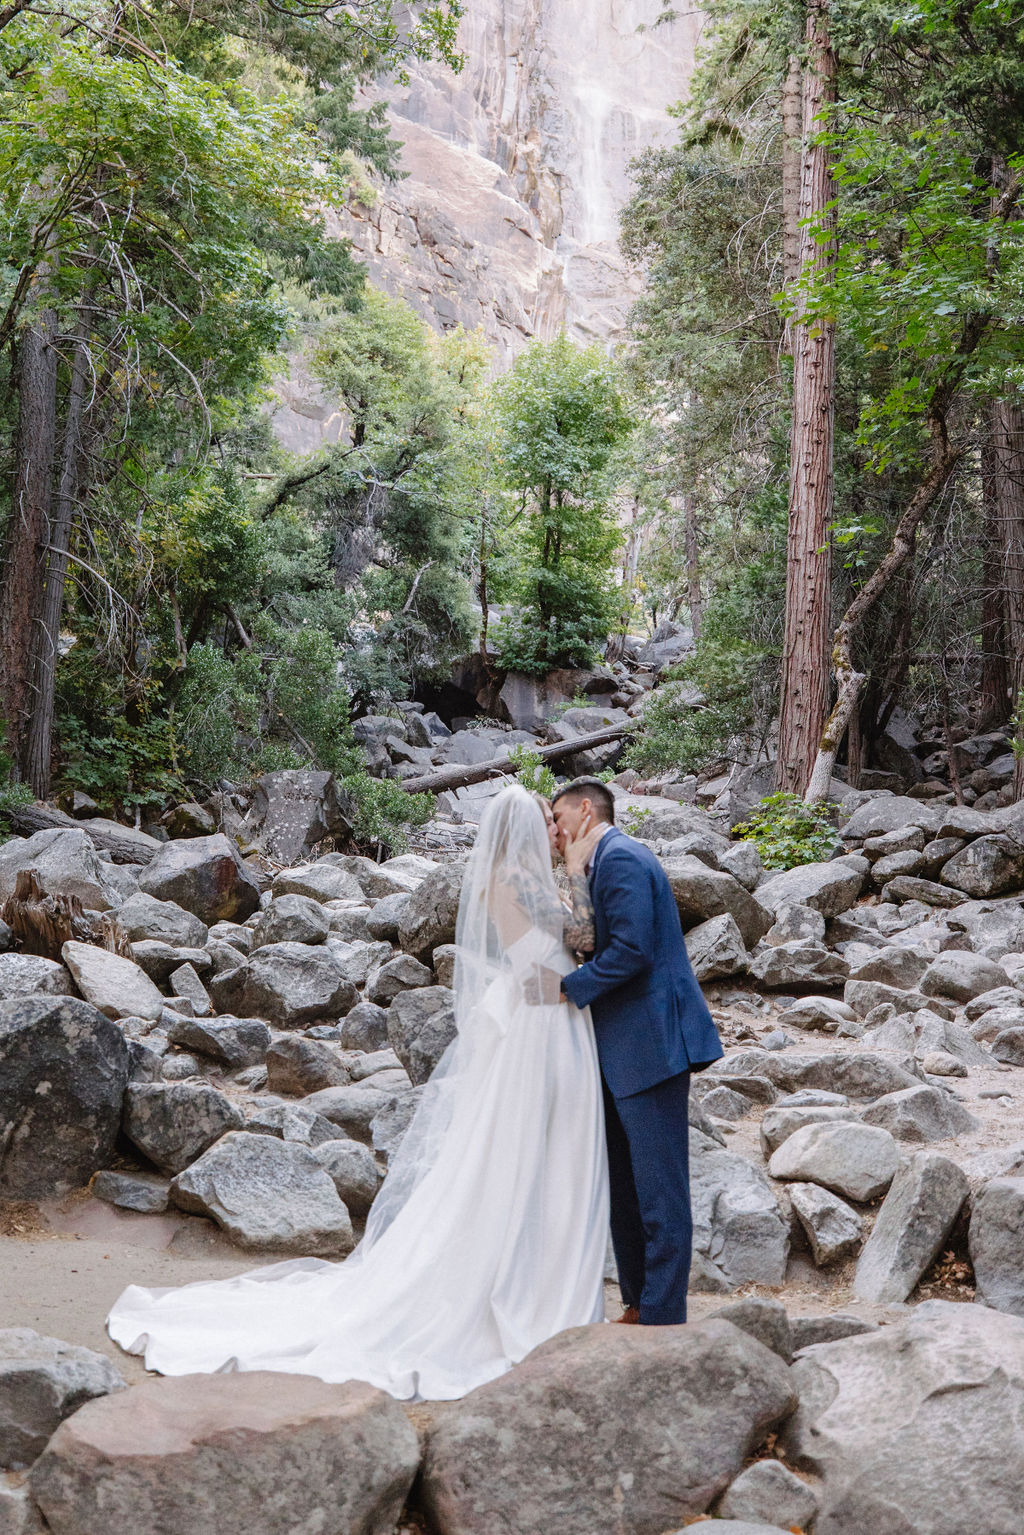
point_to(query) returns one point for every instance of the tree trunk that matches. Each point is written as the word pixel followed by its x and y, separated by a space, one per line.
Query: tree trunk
pixel 792 123
pixel 805 668
pixel 457 777
pixel 1007 448
pixel 28 530
pixel 994 690
pixel 693 596
pixel 39 736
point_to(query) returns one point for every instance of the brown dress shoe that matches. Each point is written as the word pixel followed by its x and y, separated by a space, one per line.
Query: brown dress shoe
pixel 631 1316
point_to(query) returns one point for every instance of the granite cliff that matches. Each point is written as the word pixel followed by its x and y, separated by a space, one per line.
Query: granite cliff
pixel 515 170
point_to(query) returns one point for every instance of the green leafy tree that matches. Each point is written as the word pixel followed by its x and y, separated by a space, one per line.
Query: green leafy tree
pixel 560 413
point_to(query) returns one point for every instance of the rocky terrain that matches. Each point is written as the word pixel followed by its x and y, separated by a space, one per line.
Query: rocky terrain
pixel 237 1052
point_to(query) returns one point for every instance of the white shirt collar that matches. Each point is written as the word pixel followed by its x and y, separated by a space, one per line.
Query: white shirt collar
pixel 605 828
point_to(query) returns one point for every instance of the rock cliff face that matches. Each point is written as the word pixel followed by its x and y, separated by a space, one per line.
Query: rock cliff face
pixel 515 171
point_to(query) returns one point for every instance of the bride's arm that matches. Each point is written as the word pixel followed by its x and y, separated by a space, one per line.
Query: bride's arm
pixel 579 926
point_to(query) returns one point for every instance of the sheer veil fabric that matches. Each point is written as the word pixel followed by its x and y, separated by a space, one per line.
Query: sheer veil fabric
pixel 489 1233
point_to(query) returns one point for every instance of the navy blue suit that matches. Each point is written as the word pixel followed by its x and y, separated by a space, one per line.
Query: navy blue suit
pixel 653 1028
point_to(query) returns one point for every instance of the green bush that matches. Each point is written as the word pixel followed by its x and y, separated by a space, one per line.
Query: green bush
pixel 531 771
pixel 677 732
pixel 11 794
pixel 787 832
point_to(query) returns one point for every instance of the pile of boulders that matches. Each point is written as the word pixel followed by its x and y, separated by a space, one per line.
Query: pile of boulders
pixel 257 1058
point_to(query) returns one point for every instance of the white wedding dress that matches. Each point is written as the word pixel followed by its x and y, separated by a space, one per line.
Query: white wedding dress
pixel 489 1233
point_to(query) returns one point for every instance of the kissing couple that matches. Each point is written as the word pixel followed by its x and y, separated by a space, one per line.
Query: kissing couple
pixel 564 1092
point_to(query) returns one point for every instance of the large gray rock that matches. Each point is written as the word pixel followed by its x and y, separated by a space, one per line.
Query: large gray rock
pixel 204 875
pixel 242 1453
pixel 1008 1046
pixel 290 1122
pixel 267 1194
pixel 295 808
pixel 794 921
pixel 997 1244
pixel 920 1114
pixel 421 1026
pixel 765 1319
pixel 829 888
pixel 353 1109
pixel 232 1042
pixel 894 965
pixel 857 1161
pixel 987 867
pixel 294 984
pixel 172 1123
pixel 832 1228
pixel 28 975
pixel 385 920
pixel 353 1170
pixel 299 1066
pixel 715 948
pixel 909 887
pixel 143 917
pixel 325 880
pixel 403 973
pixel 740 1235
pixel 769 1491
pixel 701 893
pixel 866 1074
pixel 780 1123
pixel 800 963
pixel 116 986
pixel 63 1074
pixel 365 1028
pixel 888 813
pixel 19 1512
pixel 387 1131
pixel 42 1382
pixel 993 930
pixel 961 976
pixel 291 919
pixel 628 1429
pixel 916 1217
pixel 824 1015
pixel 160 961
pixel 428 917
pixel 916 1428
pixel 65 862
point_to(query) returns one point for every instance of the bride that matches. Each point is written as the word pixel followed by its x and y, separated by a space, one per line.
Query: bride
pixel 489 1233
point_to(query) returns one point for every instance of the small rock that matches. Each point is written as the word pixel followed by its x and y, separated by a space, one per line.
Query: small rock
pixel 300 1066
pixel 801 962
pixel 143 917
pixel 421 1026
pixel 939 1063
pixel 29 975
pixel 715 948
pixel 352 1109
pixel 894 965
pixel 268 1195
pixel 443 961
pixel 290 1122
pixel 365 1028
pixel 233 1042
pixel 767 1490
pixel 780 1123
pixel 920 1114
pixel 116 986
pixel 986 867
pixel 185 983
pixel 321 881
pixel 908 887
pixel 353 1171
pixel 916 1217
pixel 724 1103
pixel 830 888
pixel 143 1192
pixel 42 1382
pixel 173 1123
pixel 822 1014
pixel 392 1120
pixel 832 1228
pixel 1008 1047
pixel 291 919
pixel 794 922
pixel 764 1319
pixel 385 919
pixel 961 976
pixel 403 973
pixel 855 1160
pixel 996 1242
pixel 428 918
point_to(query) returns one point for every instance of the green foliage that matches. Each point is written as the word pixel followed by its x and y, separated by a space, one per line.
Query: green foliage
pixel 788 832
pixel 560 413
pixel 712 705
pixel 383 811
pixel 635 819
pixel 532 771
pixel 11 794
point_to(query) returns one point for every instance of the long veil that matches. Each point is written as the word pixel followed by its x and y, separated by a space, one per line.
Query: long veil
pixel 509 928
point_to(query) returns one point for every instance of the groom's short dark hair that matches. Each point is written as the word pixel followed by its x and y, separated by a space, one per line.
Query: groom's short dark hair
pixel 594 790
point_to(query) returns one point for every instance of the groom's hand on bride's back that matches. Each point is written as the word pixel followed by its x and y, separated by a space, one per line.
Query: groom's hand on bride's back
pixel 543 988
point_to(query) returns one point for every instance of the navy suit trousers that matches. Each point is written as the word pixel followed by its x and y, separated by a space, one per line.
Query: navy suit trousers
pixel 649 1174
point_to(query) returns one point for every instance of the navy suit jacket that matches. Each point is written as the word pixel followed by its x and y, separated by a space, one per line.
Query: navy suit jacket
pixel 650 1017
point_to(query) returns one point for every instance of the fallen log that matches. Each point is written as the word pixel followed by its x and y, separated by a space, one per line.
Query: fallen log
pixel 462 774
pixel 123 843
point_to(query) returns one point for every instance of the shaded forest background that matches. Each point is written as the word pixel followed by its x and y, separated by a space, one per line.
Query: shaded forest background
pixel 811 448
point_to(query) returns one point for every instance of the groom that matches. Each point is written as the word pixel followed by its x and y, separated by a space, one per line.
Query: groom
pixel 653 1028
